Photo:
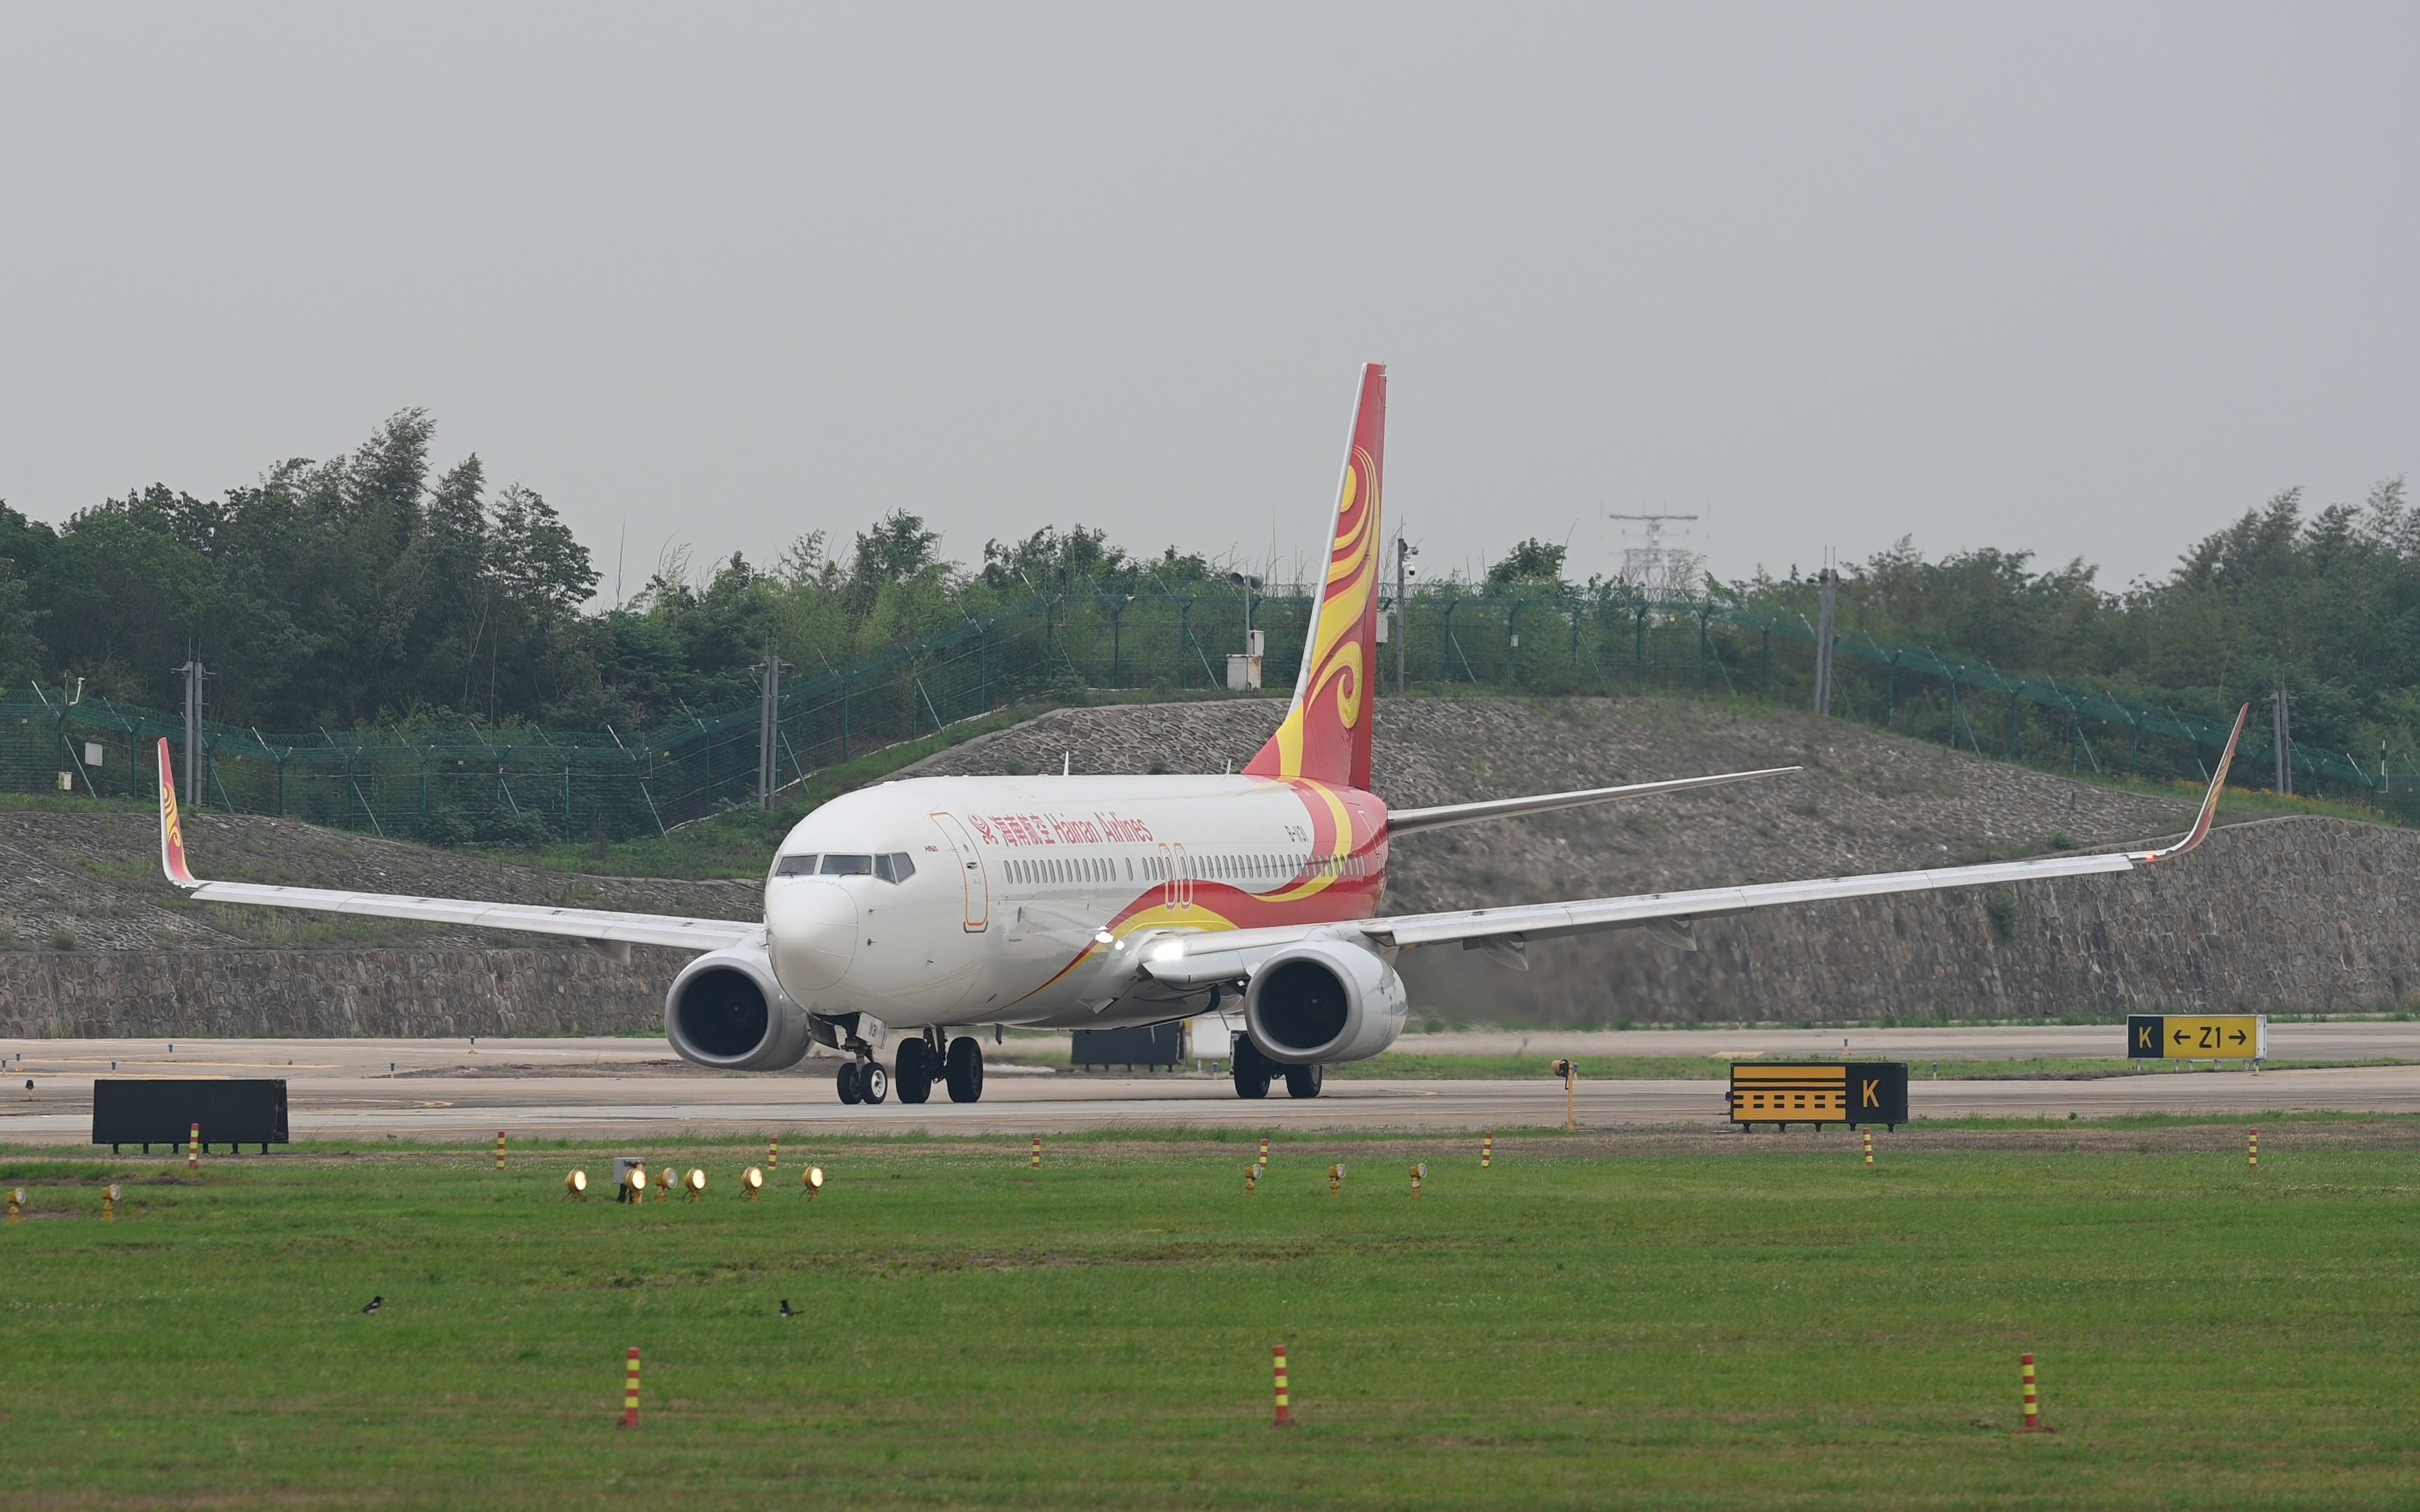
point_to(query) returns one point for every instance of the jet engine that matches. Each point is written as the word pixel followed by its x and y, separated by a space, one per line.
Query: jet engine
pixel 726 1010
pixel 1324 1001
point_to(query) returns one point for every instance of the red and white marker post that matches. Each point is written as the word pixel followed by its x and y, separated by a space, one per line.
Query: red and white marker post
pixel 500 1149
pixel 2253 1150
pixel 1038 1152
pixel 1285 1398
pixel 194 1149
pixel 631 1391
pixel 1487 1150
pixel 2032 1407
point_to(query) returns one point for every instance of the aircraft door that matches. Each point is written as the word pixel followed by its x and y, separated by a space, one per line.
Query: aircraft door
pixel 971 872
pixel 1181 873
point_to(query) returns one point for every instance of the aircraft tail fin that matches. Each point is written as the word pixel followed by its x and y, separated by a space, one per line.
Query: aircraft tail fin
pixel 1326 736
pixel 172 829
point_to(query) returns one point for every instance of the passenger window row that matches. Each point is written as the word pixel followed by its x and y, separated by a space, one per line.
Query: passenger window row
pixel 1054 870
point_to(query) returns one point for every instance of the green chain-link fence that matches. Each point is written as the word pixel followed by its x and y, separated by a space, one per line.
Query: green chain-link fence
pixel 527 785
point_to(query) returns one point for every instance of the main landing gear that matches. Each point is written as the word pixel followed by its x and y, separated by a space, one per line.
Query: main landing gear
pixel 921 1062
pixel 1253 1072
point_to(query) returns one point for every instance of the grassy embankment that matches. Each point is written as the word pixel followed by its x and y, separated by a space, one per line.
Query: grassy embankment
pixel 1772 1323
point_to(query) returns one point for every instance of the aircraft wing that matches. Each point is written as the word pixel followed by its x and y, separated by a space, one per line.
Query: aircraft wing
pixel 1195 960
pixel 1412 821
pixel 595 924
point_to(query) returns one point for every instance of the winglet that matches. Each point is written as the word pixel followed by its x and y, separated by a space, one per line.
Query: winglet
pixel 172 833
pixel 2202 821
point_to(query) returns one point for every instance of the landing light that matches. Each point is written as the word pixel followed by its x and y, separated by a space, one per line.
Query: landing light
pixel 1105 938
pixel 1167 950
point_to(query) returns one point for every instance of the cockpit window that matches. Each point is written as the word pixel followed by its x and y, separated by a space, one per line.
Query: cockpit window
pixel 795 866
pixel 902 866
pixel 846 866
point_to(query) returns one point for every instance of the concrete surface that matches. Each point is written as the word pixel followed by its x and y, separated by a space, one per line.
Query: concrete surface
pixel 605 1088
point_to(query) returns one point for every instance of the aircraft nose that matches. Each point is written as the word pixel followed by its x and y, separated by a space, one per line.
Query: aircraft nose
pixel 811 932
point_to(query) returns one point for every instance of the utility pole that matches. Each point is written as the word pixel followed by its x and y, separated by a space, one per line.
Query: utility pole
pixel 193 672
pixel 1405 551
pixel 1826 619
pixel 2282 729
pixel 768 726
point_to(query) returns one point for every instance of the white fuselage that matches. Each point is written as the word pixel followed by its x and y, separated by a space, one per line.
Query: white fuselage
pixel 1022 894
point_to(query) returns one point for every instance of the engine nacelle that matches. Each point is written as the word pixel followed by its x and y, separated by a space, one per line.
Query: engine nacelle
pixel 726 1010
pixel 1324 1001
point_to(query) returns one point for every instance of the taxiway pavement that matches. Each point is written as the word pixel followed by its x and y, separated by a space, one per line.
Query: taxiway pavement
pixel 605 1088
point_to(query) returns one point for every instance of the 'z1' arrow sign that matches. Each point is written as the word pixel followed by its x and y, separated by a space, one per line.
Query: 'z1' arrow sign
pixel 2196 1037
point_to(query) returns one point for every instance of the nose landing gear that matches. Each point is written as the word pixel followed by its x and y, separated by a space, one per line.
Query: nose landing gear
pixel 862 1080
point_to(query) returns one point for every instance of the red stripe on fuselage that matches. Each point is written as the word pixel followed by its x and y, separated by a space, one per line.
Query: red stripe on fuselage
pixel 1330 890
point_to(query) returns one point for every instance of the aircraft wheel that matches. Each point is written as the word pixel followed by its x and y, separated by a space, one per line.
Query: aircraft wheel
pixel 1305 1081
pixel 873 1082
pixel 851 1090
pixel 965 1070
pixel 912 1077
pixel 1251 1077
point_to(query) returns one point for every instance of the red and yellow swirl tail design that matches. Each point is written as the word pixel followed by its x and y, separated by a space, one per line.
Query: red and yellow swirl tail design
pixel 172 831
pixel 1326 736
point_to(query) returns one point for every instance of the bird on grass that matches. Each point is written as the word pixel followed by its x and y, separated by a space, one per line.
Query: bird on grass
pixel 376 1303
pixel 785 1308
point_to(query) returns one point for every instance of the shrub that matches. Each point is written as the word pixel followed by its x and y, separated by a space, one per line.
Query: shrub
pixel 444 825
pixel 2004 911
pixel 519 831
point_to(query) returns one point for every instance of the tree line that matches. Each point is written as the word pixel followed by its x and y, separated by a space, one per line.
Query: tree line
pixel 380 589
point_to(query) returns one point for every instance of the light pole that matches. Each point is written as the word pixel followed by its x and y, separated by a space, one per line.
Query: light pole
pixel 1404 573
pixel 1247 582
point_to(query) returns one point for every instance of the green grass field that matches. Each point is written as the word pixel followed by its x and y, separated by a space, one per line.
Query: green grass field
pixel 1691 1320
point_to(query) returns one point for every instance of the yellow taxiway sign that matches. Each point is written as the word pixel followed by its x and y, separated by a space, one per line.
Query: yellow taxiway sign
pixel 2196 1037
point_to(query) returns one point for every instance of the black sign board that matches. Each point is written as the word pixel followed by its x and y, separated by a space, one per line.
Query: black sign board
pixel 163 1110
pixel 1852 1093
pixel 1161 1044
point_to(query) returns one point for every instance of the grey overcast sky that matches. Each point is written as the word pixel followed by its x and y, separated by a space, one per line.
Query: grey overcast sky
pixel 2088 280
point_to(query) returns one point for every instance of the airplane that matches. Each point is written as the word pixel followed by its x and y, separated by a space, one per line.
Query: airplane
pixel 920 907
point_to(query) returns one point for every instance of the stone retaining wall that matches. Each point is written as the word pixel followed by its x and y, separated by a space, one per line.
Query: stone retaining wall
pixel 2286 915
pixel 328 994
